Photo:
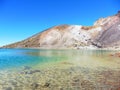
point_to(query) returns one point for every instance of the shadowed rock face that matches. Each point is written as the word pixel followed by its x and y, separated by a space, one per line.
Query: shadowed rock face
pixel 109 37
pixel 104 33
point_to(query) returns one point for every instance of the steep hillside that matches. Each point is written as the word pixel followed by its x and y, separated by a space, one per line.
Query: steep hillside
pixel 103 34
pixel 110 35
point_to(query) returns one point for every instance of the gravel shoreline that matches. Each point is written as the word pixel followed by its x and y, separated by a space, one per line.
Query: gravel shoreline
pixel 54 78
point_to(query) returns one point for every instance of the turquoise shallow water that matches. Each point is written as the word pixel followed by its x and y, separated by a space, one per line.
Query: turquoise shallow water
pixel 17 58
pixel 35 69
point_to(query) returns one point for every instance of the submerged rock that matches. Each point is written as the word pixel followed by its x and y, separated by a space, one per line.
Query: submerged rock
pixel 46 85
pixel 8 88
pixel 26 68
pixel 30 71
pixel 35 85
pixel 115 55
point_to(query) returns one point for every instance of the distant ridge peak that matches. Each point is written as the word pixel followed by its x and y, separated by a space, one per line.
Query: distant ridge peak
pixel 119 12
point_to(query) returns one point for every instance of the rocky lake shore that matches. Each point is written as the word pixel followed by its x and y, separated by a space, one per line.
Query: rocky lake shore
pixel 55 78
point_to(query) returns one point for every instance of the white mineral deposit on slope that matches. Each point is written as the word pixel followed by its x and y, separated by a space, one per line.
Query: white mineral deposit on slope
pixel 103 34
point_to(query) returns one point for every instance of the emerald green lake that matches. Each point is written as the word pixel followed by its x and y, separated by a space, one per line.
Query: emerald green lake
pixel 35 58
pixel 36 69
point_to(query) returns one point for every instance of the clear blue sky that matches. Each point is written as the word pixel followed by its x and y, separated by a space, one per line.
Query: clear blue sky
pixel 20 19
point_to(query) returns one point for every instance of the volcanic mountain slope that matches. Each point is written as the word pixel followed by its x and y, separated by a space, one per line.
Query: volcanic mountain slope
pixel 104 33
pixel 110 35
